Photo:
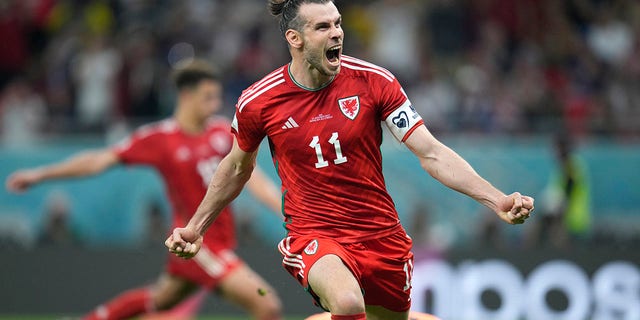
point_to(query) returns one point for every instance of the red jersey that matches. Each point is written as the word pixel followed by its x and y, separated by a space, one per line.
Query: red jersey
pixel 325 145
pixel 186 163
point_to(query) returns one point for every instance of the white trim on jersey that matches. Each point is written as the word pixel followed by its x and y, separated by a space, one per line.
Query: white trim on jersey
pixel 259 88
pixel 257 94
pixel 367 66
pixel 350 66
pixel 402 120
pixel 273 74
pixel 234 122
pixel 355 60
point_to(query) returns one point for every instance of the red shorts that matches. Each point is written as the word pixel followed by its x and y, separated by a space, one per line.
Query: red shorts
pixel 207 268
pixel 383 267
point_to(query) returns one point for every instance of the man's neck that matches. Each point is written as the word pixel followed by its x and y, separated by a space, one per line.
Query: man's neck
pixel 188 122
pixel 306 76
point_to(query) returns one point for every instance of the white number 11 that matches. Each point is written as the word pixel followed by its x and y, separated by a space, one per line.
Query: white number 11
pixel 315 144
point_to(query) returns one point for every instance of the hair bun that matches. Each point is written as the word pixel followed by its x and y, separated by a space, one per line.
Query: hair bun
pixel 276 7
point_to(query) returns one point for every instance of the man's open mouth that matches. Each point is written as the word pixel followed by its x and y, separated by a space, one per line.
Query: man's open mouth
pixel 333 54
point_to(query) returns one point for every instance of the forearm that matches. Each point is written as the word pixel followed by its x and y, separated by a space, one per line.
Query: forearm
pixel 226 184
pixel 446 166
pixel 80 165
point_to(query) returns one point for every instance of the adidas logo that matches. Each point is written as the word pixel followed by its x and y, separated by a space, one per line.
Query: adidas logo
pixel 290 123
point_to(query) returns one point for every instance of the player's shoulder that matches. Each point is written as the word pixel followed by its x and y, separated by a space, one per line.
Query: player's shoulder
pixel 262 89
pixel 361 68
pixel 153 133
pixel 162 127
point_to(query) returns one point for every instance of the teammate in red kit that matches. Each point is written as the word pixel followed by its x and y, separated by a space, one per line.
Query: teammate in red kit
pixel 185 150
pixel 322 115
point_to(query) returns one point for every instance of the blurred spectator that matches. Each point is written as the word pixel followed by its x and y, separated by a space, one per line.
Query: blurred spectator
pixel 57 229
pixel 435 98
pixel 138 85
pixel 447 29
pixel 395 40
pixel 357 19
pixel 22 111
pixel 565 213
pixel 476 108
pixel 610 38
pixel 15 43
pixel 95 70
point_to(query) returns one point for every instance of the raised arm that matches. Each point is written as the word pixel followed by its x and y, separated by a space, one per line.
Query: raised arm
pixel 446 166
pixel 266 191
pixel 227 182
pixel 79 165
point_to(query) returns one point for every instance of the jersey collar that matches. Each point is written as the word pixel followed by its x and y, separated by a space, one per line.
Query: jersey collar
pixel 299 85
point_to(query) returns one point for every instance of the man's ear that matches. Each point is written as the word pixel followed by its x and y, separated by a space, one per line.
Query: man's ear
pixel 294 38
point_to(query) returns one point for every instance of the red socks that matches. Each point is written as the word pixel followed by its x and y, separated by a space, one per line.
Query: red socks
pixel 124 306
pixel 360 316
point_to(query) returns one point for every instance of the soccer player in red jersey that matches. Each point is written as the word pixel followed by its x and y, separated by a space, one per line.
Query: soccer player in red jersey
pixel 322 115
pixel 185 150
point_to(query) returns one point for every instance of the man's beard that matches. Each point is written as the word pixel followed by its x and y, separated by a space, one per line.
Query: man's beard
pixel 316 61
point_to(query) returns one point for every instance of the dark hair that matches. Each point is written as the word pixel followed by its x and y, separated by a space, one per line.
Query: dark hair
pixel 188 74
pixel 287 11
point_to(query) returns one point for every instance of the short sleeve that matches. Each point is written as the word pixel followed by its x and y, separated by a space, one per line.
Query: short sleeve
pixel 397 112
pixel 140 148
pixel 248 129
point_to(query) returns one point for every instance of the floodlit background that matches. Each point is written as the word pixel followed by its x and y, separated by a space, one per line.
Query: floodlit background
pixel 502 82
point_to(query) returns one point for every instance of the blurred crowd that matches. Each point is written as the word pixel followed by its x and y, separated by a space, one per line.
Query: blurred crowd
pixel 482 66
